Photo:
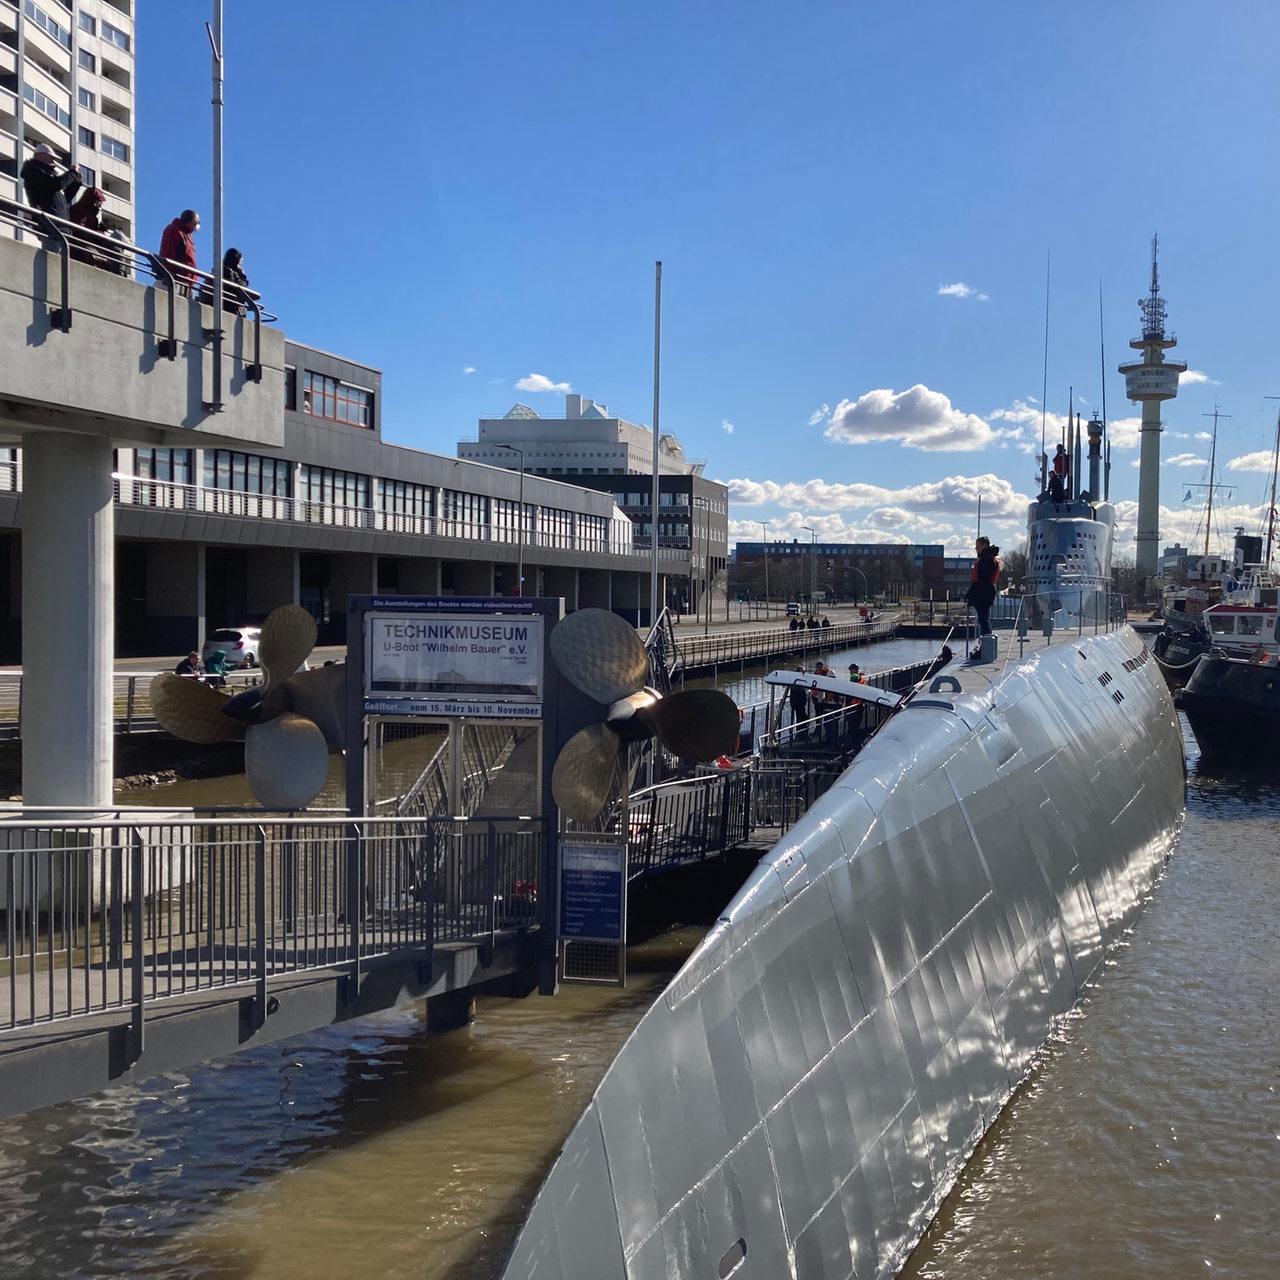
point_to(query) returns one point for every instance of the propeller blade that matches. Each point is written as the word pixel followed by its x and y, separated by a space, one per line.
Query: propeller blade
pixel 287 761
pixel 601 654
pixel 288 636
pixel 321 695
pixel 696 724
pixel 192 711
pixel 583 776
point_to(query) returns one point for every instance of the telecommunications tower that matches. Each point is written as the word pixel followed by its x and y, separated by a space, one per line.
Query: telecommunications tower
pixel 1148 382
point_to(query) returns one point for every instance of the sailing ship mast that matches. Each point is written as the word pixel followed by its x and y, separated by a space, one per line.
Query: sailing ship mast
pixel 1213 461
pixel 1271 510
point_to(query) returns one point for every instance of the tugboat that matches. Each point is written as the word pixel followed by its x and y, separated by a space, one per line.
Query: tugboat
pixel 1233 707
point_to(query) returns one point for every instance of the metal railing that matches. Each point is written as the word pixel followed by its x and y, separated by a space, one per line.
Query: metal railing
pixel 170 495
pixel 677 823
pixel 696 651
pixel 130 697
pixel 113 253
pixel 102 916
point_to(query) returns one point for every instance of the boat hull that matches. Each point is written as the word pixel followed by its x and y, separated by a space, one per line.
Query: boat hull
pixel 800 1100
pixel 1233 707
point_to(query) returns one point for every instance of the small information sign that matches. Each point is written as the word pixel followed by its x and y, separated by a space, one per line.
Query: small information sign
pixel 593 885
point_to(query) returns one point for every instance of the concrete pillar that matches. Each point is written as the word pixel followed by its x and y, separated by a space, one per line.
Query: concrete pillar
pixel 272 580
pixel 68 620
pixel 1147 543
pixel 350 574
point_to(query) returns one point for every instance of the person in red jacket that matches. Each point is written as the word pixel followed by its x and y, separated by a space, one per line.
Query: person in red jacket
pixel 177 245
pixel 1061 473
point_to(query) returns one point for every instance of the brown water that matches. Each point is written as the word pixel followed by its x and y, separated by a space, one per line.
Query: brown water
pixel 1146 1144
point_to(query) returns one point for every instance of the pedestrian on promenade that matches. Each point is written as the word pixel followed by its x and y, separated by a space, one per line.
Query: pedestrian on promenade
pixel 190 666
pixel 178 246
pixel 45 187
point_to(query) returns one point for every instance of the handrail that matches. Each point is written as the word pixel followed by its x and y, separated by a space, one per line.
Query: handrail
pixel 132 257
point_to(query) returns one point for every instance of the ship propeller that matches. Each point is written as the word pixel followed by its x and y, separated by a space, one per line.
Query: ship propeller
pixel 602 655
pixel 289 722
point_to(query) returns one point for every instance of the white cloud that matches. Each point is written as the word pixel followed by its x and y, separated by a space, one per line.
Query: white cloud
pixel 918 417
pixel 469 369
pixel 1183 460
pixel 538 382
pixel 818 414
pixel 959 290
pixel 1261 461
pixel 1194 375
pixel 726 426
pixel 937 499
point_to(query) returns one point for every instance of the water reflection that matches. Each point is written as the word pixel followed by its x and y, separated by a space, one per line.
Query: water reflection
pixel 405 1153
pixel 1146 1143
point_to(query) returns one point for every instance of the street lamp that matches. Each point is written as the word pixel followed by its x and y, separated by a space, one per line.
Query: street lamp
pixel 866 590
pixel 813 563
pixel 520 527
pixel 764 524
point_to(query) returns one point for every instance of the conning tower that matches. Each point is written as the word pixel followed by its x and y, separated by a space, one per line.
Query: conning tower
pixel 1148 382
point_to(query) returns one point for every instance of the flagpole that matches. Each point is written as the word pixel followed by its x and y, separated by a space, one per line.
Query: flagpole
pixel 657 360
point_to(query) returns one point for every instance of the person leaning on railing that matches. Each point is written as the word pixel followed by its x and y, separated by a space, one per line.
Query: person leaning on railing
pixel 46 188
pixel 177 245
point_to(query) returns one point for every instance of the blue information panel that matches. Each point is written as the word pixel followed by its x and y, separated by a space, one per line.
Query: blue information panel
pixel 593 883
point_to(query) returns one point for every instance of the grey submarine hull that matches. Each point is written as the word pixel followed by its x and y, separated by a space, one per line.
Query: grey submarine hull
pixel 809 1087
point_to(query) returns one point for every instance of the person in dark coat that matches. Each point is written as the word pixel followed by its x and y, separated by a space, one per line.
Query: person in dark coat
pixel 46 188
pixel 234 281
pixel 982 585
pixel 799 696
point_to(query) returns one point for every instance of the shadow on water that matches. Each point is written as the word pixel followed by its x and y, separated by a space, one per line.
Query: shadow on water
pixel 398 1145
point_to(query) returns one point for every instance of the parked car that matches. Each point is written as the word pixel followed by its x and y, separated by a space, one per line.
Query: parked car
pixel 793 609
pixel 240 644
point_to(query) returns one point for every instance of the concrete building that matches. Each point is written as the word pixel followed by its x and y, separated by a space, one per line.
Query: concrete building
pixel 212 531
pixel 67 79
pixel 597 450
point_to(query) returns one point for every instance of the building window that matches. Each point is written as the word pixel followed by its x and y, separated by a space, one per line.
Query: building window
pixel 464 515
pixel 46 105
pixel 86 137
pixel 113 35
pixel 403 498
pixel 87 99
pixel 86 23
pixel 329 398
pixel 113 147
pixel 247 473
pixel 174 465
pixel 88 176
pixel 290 387
pixel 86 60
pixel 333 488
pixel 47 24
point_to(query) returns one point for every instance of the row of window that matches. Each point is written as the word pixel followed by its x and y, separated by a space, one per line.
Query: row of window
pixel 46 105
pixel 325 397
pixel 461 514
pixel 52 28
pixel 108 146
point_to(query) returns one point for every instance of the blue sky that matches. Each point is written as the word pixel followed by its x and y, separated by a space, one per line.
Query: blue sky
pixel 855 204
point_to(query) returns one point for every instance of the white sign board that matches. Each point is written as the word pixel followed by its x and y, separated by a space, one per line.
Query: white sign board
pixel 455 664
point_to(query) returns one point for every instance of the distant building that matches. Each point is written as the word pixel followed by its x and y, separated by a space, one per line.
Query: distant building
pixel 593 448
pixel 66 80
pixel 844 570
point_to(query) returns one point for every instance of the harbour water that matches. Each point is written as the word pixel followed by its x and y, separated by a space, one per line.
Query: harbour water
pixel 1147 1142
